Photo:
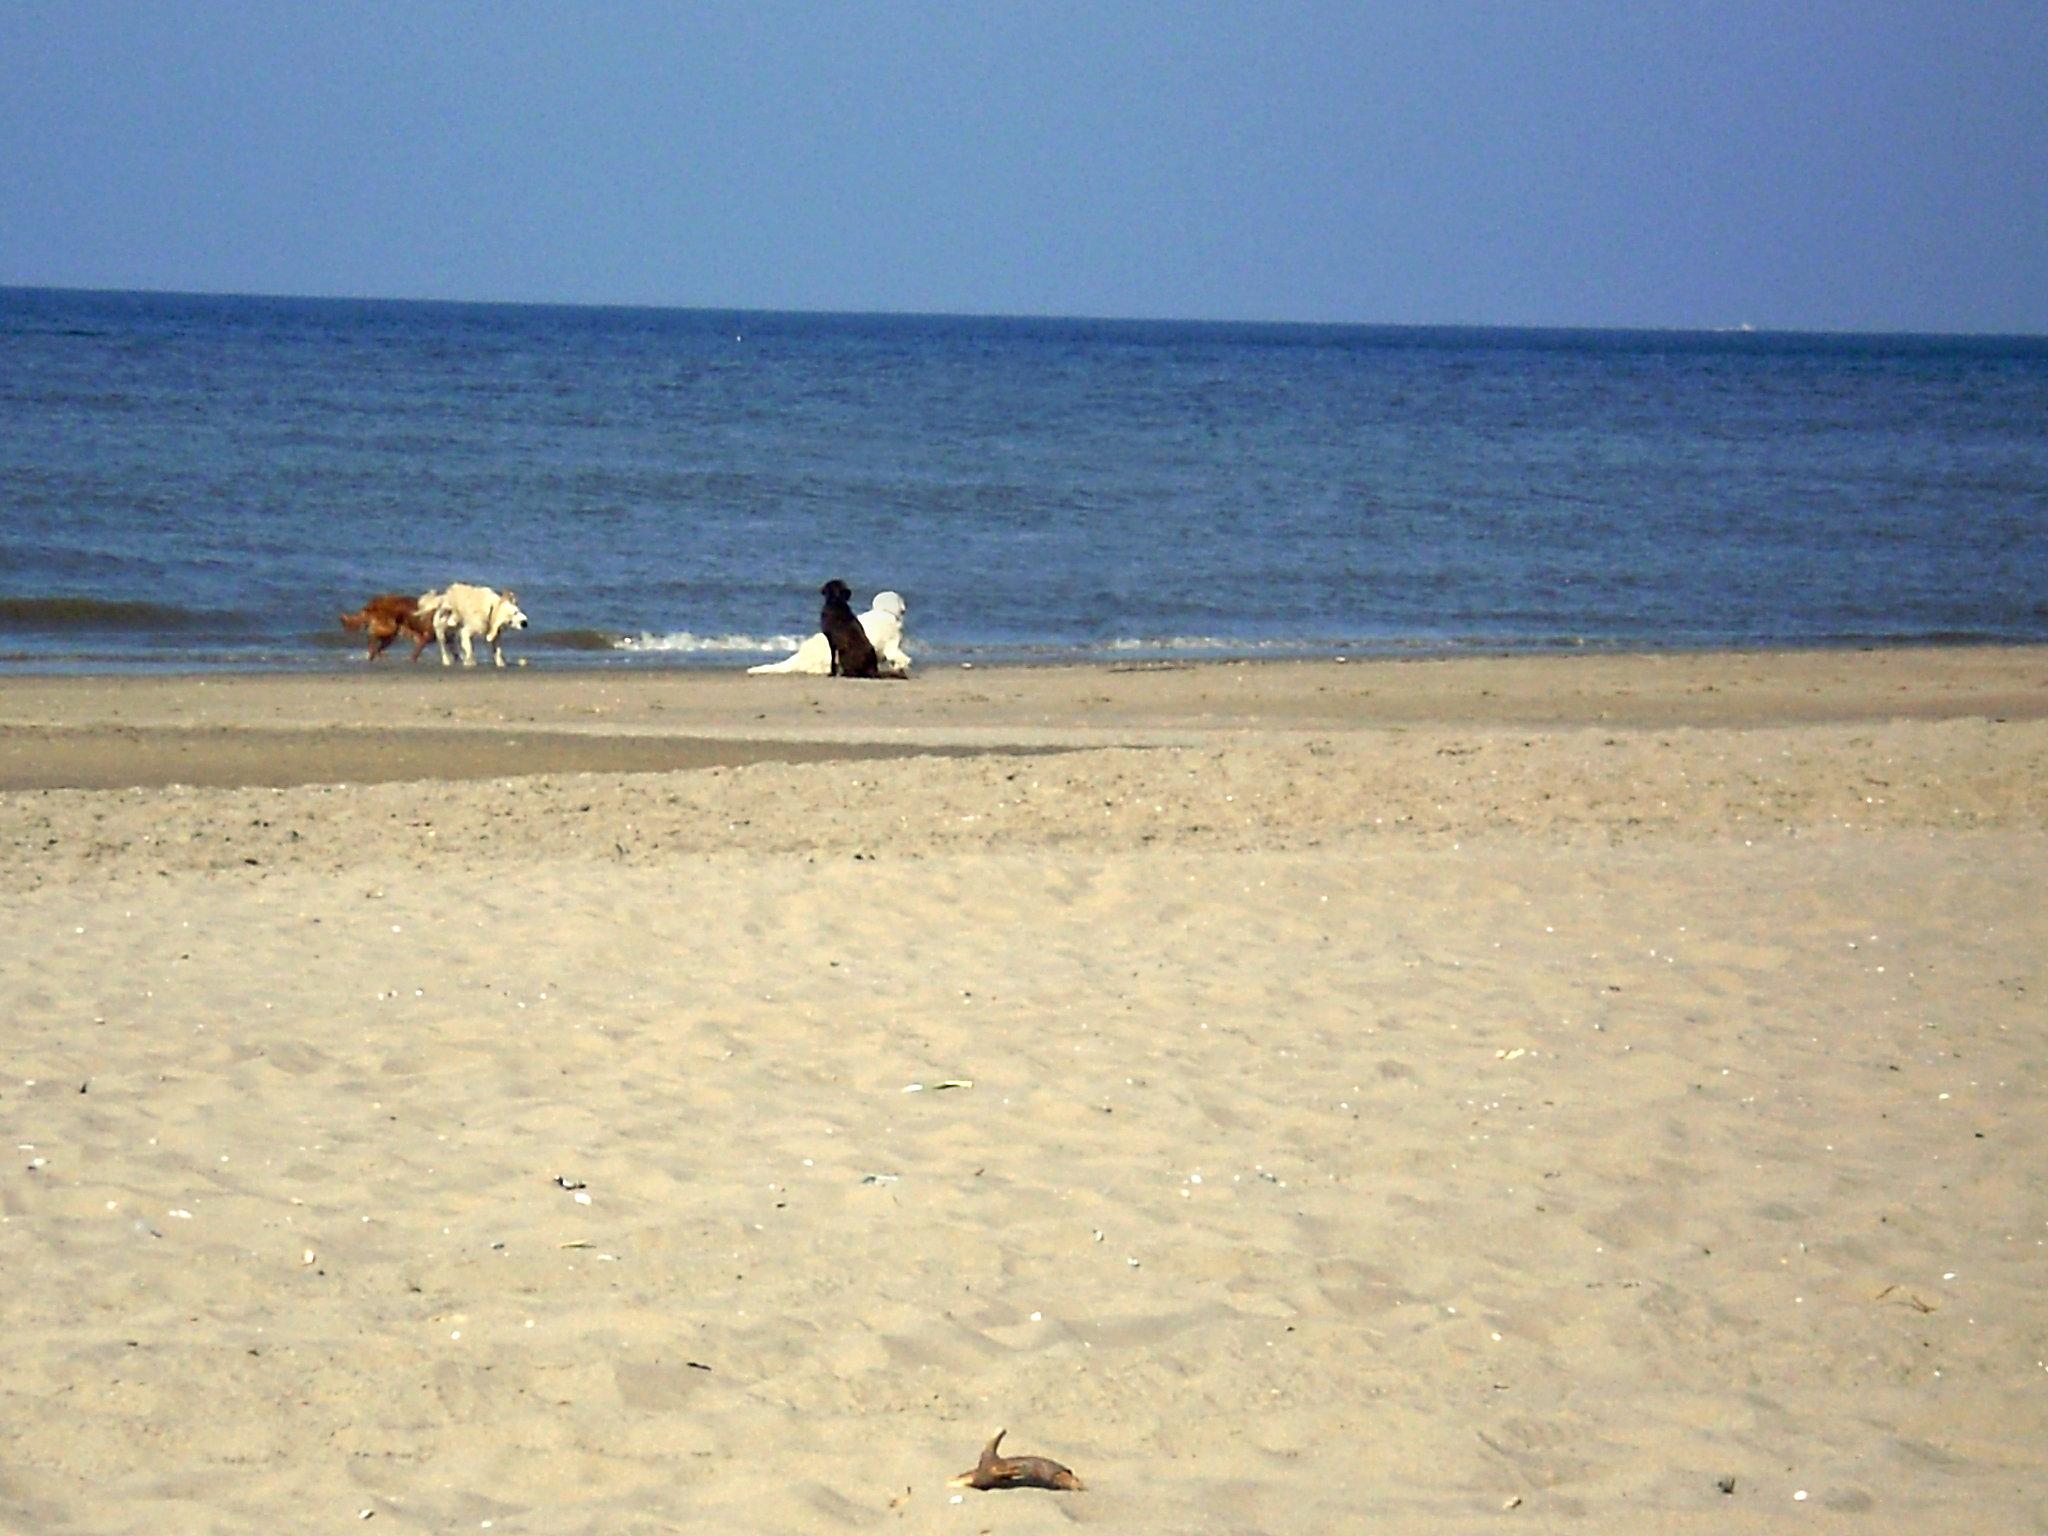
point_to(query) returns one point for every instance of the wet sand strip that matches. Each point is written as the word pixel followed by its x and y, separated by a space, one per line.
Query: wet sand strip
pixel 151 757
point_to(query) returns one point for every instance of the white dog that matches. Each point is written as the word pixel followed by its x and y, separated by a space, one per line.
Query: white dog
pixel 883 624
pixel 469 612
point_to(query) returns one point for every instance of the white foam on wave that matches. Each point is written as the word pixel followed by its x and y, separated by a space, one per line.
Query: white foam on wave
pixel 1195 643
pixel 683 640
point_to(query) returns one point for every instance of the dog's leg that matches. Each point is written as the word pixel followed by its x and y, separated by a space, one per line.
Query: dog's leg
pixel 468 655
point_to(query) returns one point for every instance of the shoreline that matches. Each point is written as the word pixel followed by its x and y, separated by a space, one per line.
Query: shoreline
pixel 542 654
pixel 395 723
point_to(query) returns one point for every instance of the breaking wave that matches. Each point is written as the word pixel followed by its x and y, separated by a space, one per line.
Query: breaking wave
pixel 684 642
pixel 570 639
pixel 61 614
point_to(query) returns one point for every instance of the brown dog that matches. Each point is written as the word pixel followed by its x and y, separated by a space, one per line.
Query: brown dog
pixel 385 616
pixel 853 654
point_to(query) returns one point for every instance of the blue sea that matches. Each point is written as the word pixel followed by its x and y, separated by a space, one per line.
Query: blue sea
pixel 207 482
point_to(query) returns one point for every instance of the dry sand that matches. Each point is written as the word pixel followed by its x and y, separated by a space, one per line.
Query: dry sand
pixel 1592 1093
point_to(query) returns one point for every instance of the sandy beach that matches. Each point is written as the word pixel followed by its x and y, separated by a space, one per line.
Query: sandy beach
pixel 1593 1093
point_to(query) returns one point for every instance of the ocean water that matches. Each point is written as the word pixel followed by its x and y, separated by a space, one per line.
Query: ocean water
pixel 191 482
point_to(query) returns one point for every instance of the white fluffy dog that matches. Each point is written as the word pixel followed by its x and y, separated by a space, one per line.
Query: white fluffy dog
pixel 884 626
pixel 469 613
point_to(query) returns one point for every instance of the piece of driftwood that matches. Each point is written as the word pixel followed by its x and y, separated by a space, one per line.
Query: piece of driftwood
pixel 994 1471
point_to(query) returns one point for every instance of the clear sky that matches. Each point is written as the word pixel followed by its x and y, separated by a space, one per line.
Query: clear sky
pixel 1853 164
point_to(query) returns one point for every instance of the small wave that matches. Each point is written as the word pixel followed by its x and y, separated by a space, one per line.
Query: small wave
pixel 76 613
pixel 1184 643
pixel 683 640
pixel 572 639
pixel 1293 645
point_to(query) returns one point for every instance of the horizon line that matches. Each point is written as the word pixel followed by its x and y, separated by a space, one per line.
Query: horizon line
pixel 1740 328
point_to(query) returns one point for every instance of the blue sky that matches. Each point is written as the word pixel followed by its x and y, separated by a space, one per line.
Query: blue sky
pixel 1858 165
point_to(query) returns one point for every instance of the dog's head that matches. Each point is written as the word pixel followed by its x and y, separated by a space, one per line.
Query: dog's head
pixel 891 604
pixel 836 592
pixel 506 614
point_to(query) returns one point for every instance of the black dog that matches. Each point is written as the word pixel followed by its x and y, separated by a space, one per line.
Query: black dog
pixel 853 655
